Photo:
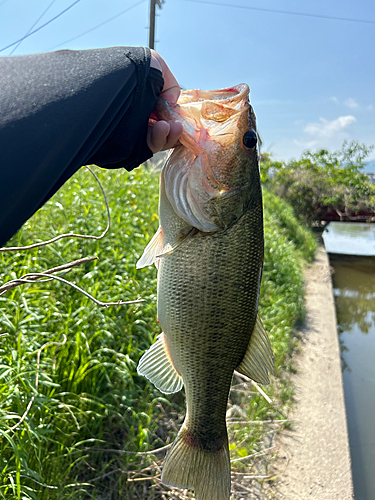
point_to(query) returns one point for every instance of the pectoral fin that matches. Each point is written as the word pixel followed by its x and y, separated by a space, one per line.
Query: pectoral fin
pixel 258 360
pixel 156 365
pixel 170 248
pixel 153 249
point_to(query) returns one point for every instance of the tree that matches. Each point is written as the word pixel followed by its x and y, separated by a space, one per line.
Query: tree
pixel 322 183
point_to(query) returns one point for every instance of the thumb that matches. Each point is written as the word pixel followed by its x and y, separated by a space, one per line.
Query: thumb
pixel 171 90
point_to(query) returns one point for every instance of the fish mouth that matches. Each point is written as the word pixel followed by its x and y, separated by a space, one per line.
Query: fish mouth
pixel 204 168
pixel 230 96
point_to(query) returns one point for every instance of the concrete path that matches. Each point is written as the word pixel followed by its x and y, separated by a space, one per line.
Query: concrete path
pixel 317 448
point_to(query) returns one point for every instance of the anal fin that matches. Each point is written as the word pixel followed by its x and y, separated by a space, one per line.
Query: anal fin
pixel 156 366
pixel 258 361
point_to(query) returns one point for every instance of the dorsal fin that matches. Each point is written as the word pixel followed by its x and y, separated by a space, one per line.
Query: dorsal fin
pixel 258 360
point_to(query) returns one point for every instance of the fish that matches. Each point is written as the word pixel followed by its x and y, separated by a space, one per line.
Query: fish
pixel 209 254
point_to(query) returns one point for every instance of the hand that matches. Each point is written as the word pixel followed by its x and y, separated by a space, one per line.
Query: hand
pixel 162 134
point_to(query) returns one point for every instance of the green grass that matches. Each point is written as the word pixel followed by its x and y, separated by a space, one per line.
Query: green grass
pixel 86 395
pixel 283 217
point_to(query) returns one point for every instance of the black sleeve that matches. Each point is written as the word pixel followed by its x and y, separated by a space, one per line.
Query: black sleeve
pixel 65 109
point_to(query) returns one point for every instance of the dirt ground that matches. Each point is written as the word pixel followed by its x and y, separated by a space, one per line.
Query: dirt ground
pixel 315 452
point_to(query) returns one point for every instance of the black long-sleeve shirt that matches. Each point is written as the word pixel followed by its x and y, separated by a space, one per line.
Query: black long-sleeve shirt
pixel 65 109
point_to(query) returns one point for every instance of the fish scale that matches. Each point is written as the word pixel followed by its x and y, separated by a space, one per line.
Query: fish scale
pixel 209 254
pixel 214 315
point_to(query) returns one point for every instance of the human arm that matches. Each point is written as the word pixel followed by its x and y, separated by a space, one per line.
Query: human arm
pixel 65 109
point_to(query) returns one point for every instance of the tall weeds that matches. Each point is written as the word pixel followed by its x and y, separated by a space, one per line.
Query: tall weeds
pixel 71 401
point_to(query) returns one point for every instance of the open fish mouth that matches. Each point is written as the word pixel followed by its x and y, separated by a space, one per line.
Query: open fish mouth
pixel 216 124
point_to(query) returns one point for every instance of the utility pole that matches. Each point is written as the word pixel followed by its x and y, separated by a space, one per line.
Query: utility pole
pixel 151 32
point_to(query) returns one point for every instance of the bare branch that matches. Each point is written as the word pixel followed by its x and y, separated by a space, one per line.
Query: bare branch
pixel 32 278
pixel 104 475
pixel 74 263
pixel 35 277
pixel 151 452
pixel 262 452
pixel 13 283
pixel 146 478
pixel 68 235
pixel 259 389
pixel 233 421
pixel 41 484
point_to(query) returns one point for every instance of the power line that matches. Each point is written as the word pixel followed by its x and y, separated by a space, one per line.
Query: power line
pixel 40 27
pixel 261 9
pixel 33 26
pixel 98 25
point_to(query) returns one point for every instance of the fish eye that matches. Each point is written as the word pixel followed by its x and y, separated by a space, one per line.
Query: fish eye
pixel 250 139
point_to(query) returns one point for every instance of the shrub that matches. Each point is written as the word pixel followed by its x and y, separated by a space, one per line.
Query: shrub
pixel 324 182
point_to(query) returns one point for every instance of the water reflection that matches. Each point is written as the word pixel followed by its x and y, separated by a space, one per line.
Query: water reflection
pixel 350 238
pixel 354 289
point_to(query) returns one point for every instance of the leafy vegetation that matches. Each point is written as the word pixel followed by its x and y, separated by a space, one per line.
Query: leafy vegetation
pixel 73 412
pixel 322 183
pixel 282 215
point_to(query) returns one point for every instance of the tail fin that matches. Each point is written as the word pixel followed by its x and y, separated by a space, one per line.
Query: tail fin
pixel 189 465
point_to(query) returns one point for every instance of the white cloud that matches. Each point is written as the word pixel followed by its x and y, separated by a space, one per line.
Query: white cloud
pixel 325 128
pixel 306 144
pixel 351 103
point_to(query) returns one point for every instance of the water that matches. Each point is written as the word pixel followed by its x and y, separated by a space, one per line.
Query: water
pixel 354 291
pixel 350 238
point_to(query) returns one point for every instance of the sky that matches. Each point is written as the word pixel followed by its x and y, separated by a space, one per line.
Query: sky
pixel 312 79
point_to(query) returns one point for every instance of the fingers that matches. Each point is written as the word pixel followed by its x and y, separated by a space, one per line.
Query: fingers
pixel 171 90
pixel 163 135
pixel 172 94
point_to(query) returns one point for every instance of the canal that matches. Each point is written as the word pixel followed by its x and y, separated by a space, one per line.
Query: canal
pixel 351 249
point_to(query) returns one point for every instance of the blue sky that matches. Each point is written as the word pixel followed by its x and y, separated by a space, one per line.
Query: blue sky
pixel 312 80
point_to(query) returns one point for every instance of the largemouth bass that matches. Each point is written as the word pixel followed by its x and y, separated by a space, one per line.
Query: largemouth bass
pixel 209 254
